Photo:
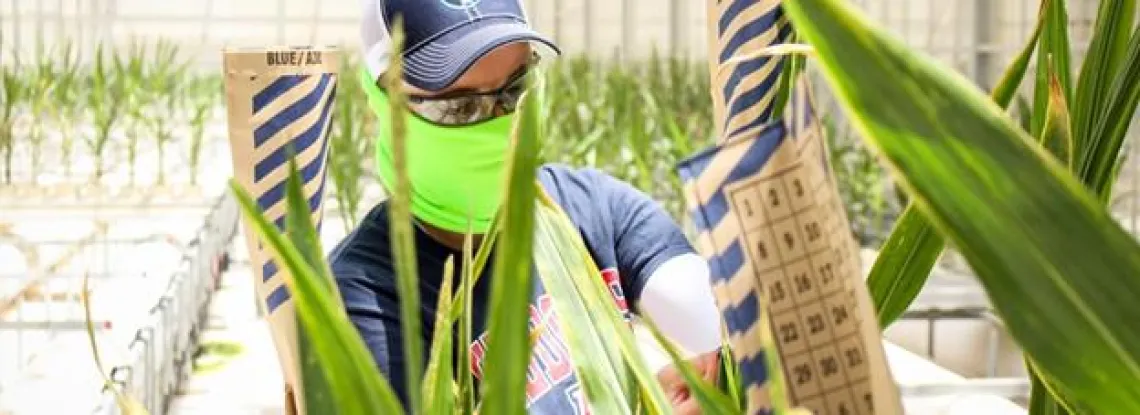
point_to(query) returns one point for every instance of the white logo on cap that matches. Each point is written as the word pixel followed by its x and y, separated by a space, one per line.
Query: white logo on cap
pixel 461 4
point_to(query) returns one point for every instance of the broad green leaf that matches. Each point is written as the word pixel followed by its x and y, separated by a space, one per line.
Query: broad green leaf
pixel 1056 136
pixel 357 389
pixel 1056 266
pixel 402 237
pixel 504 389
pixel 439 380
pixel 1102 150
pixel 588 337
pixel 585 306
pixel 710 399
pixel 913 247
pixel 1053 50
pixel 1100 67
pixel 303 235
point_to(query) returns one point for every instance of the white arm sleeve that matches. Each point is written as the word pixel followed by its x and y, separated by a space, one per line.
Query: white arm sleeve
pixel 679 300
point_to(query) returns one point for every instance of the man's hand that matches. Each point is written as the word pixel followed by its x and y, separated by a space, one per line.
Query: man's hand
pixel 707 366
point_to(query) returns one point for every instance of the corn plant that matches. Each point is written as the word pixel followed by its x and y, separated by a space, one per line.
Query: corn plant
pixel 139 98
pixel 203 97
pixel 165 80
pixel 14 92
pixel 103 100
pixel 45 81
pixel 1055 264
pixel 64 109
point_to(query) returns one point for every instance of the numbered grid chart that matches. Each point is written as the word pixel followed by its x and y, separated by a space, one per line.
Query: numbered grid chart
pixel 791 233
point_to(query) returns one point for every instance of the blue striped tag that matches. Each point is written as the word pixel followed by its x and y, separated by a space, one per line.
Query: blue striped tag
pixel 298 100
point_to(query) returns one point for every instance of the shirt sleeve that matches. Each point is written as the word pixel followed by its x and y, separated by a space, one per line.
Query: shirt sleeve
pixel 645 236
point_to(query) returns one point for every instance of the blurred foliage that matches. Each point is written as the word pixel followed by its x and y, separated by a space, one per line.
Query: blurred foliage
pixel 117 100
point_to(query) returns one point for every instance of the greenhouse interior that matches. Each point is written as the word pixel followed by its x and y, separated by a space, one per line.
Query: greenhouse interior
pixel 898 207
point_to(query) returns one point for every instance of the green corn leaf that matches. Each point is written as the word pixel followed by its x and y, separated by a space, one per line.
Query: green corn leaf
pixel 504 389
pixel 594 330
pixel 1054 49
pixel 356 388
pixel 789 73
pixel 903 265
pixel 711 399
pixel 1041 400
pixel 402 237
pixel 730 374
pixel 466 382
pixel 597 361
pixel 913 247
pixel 303 235
pixel 1007 86
pixel 1101 151
pixel 1022 112
pixel 1056 136
pixel 1105 53
pixel 439 379
pixel 1056 266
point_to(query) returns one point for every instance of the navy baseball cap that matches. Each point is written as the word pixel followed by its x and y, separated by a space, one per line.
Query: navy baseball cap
pixel 442 38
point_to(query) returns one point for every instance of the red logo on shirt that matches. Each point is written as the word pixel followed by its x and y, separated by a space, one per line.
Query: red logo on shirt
pixel 550 362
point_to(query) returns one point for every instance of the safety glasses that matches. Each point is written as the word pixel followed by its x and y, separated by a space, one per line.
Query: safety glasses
pixel 466 108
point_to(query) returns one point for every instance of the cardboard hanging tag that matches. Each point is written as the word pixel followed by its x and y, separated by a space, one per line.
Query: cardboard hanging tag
pixel 279 103
pixel 770 219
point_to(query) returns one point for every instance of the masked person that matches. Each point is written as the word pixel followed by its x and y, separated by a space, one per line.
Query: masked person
pixel 464 63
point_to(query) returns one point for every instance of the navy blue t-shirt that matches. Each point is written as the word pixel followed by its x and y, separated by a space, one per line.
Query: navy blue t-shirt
pixel 628 236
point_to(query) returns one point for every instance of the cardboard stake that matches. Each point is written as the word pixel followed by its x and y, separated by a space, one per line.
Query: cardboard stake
pixel 279 100
pixel 769 218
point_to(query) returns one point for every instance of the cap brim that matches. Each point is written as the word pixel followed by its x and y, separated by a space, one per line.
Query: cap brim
pixel 439 63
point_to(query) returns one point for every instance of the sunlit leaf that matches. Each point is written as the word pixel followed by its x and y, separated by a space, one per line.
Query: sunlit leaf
pixel 504 389
pixel 439 378
pixel 357 388
pixel 601 343
pixel 303 235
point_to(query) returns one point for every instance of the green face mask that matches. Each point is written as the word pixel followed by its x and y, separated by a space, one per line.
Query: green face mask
pixel 456 173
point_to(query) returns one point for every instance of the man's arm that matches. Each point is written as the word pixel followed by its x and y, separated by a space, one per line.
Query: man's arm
pixel 679 299
pixel 668 281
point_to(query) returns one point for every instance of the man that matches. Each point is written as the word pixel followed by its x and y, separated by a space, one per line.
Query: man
pixel 464 64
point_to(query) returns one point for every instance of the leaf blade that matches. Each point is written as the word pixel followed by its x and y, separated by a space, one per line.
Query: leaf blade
pixel 358 389
pixel 913 247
